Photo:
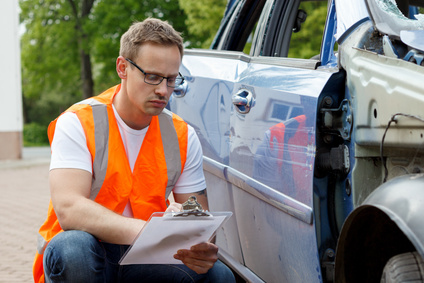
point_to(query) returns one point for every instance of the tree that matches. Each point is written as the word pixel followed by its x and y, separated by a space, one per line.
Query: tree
pixel 203 20
pixel 55 28
pixel 81 9
pixel 111 18
pixel 49 55
pixel 69 48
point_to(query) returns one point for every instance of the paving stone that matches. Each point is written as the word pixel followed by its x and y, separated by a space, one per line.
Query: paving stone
pixel 23 208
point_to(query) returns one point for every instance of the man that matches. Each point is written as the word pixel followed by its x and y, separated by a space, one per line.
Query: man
pixel 115 159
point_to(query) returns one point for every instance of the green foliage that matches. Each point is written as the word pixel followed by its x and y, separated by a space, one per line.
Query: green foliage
pixel 55 34
pixel 35 135
pixel 307 42
pixel 203 20
pixel 50 64
pixel 48 49
pixel 110 19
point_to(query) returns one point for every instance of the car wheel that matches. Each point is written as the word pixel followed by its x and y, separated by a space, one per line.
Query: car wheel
pixel 407 267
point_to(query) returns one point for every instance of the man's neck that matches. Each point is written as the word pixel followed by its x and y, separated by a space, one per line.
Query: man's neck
pixel 132 117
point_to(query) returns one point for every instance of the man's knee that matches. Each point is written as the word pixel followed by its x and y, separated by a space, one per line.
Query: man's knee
pixel 72 251
pixel 220 273
pixel 74 243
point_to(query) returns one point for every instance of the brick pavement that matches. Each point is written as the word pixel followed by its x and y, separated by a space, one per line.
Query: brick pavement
pixel 23 206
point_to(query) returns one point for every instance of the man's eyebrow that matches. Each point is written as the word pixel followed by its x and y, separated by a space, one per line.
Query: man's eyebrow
pixel 161 74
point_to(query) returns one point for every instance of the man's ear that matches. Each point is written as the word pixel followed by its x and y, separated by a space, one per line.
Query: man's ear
pixel 121 67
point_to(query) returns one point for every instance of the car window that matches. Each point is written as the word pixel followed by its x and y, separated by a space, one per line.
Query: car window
pixel 293 28
pixel 308 29
pixel 248 46
pixel 277 28
pixel 241 25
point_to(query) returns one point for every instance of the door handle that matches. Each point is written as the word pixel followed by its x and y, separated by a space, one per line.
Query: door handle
pixel 243 100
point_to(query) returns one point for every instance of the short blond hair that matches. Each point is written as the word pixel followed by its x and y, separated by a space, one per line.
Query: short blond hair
pixel 150 30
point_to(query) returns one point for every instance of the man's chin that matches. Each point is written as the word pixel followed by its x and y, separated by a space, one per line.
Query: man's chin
pixel 156 111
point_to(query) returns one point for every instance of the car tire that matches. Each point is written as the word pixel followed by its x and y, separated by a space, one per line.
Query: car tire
pixel 407 267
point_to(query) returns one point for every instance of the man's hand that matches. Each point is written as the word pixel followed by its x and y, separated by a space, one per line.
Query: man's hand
pixel 200 258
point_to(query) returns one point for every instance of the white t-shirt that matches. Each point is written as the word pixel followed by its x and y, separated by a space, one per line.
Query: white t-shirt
pixel 69 150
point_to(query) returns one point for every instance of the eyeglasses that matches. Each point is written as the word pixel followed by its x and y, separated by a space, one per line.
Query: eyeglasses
pixel 153 79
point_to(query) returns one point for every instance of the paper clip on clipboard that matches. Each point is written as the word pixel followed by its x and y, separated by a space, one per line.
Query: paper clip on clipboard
pixel 193 212
pixel 167 232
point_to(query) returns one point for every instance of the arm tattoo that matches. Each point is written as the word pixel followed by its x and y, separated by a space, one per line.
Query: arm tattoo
pixel 202 192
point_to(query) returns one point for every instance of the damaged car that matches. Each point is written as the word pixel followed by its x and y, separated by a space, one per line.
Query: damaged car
pixel 319 156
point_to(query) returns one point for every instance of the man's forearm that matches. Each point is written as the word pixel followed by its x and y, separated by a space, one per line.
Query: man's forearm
pixel 201 197
pixel 70 191
pixel 106 225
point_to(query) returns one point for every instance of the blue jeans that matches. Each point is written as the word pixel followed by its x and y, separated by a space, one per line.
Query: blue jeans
pixel 77 256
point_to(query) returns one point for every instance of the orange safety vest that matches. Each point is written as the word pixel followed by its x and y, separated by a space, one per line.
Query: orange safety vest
pixel 158 166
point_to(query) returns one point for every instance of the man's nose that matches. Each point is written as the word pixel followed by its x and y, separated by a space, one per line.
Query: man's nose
pixel 162 88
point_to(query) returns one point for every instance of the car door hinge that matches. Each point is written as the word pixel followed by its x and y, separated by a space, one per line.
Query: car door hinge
pixel 339 119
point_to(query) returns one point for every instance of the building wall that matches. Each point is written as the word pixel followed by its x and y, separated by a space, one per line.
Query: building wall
pixel 11 119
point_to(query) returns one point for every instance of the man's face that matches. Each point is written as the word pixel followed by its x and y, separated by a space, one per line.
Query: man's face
pixel 149 100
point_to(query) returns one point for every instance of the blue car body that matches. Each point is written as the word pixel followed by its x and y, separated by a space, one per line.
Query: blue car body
pixel 294 146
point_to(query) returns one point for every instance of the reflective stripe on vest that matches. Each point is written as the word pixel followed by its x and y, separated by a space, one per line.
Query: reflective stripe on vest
pixel 171 148
pixel 41 244
pixel 101 133
pixel 101 122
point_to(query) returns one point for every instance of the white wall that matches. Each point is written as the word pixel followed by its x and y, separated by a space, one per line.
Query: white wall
pixel 11 120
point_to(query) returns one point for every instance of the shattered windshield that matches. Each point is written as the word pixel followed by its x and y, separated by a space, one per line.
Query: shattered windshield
pixel 385 14
pixel 391 7
pixel 389 19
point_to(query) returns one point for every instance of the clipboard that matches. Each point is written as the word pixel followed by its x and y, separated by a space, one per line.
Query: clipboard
pixel 167 232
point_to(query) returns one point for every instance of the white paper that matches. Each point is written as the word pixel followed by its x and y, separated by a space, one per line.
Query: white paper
pixel 162 237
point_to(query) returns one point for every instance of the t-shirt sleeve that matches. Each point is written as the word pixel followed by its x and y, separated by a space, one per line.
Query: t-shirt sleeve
pixel 69 145
pixel 192 179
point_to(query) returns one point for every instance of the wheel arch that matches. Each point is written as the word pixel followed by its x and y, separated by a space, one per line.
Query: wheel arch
pixel 389 222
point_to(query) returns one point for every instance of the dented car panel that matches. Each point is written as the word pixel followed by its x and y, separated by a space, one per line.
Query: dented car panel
pixel 244 153
pixel 296 148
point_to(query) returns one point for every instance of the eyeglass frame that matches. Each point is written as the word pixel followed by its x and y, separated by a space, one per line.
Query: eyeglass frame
pixel 162 77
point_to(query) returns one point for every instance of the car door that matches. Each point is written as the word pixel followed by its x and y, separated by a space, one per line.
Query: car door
pixel 255 116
